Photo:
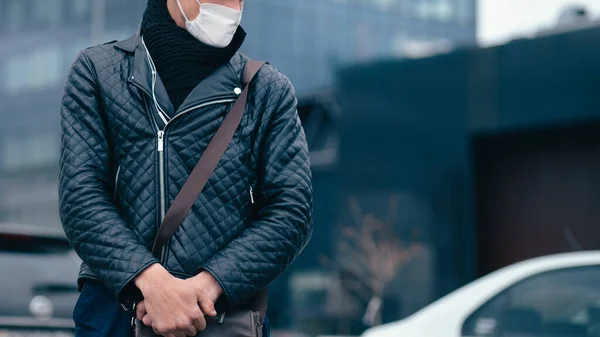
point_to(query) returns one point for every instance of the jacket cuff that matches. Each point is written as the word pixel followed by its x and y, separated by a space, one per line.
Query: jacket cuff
pixel 128 293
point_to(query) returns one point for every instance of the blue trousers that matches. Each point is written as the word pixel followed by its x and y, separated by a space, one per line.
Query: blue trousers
pixel 98 314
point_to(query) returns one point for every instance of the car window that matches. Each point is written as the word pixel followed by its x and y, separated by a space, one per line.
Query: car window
pixel 26 243
pixel 33 266
pixel 563 303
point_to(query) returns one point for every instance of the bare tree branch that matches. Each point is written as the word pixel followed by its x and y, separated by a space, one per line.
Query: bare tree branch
pixel 371 253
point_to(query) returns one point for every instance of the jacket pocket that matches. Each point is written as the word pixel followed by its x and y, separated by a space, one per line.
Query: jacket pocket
pixel 252 201
pixel 116 183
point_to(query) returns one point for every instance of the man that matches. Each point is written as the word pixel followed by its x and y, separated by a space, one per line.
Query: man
pixel 136 117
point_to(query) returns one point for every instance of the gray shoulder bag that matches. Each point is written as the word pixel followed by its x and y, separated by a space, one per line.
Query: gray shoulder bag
pixel 238 322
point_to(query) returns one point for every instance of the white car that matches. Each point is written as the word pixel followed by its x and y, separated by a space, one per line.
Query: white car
pixel 551 296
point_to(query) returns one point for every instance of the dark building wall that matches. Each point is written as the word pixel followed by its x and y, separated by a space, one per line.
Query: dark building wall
pixel 408 127
pixel 535 83
pixel 536 193
pixel 404 132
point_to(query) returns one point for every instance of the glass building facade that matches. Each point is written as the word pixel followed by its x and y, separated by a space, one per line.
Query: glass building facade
pixel 39 40
pixel 306 39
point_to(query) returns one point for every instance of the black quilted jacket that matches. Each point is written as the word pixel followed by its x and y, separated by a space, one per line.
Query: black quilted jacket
pixel 121 167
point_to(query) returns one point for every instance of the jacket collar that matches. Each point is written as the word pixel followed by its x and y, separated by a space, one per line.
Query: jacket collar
pixel 130 44
pixel 140 72
pixel 221 83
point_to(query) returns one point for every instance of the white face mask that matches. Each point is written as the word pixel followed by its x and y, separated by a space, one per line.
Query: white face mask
pixel 215 25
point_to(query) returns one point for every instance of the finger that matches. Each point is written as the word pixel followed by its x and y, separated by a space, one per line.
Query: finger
pixel 147 320
pixel 207 306
pixel 158 332
pixel 199 321
pixel 140 310
pixel 172 334
pixel 191 331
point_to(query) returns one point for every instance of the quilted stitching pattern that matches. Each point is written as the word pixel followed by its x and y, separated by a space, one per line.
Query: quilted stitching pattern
pixel 112 223
pixel 94 226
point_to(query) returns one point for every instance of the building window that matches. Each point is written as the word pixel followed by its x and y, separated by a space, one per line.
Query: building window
pixel 37 70
pixel 28 151
pixel 46 13
pixel 566 301
pixel 79 10
pixel 309 293
pixel 24 15
pixel 382 5
pixel 15 11
pixel 437 10
pixel 464 11
pixel 38 15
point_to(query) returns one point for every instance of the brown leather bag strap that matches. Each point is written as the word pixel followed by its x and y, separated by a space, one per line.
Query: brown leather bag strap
pixel 206 165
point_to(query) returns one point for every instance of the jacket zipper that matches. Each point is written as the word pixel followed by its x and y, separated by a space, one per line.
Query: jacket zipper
pixel 161 173
pixel 161 135
pixel 251 194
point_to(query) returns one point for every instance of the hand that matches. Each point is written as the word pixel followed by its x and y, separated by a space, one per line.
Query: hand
pixel 208 291
pixel 170 304
pixel 142 314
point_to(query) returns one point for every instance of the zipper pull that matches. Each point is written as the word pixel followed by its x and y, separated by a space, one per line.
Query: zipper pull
pixel 161 143
pixel 222 318
pixel 251 194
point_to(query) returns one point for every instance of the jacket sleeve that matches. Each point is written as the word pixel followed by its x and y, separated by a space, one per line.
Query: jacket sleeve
pixel 283 226
pixel 91 222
